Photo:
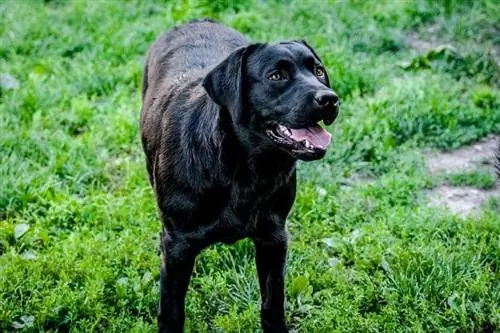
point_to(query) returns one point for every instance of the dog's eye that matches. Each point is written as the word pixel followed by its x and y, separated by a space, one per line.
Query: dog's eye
pixel 319 71
pixel 276 76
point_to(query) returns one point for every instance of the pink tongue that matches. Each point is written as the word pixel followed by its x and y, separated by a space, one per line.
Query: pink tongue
pixel 314 134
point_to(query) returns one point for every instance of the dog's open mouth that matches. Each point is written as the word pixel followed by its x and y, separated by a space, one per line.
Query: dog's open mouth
pixel 313 140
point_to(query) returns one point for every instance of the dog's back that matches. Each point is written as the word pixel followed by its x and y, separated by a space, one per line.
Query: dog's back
pixel 175 67
pixel 193 47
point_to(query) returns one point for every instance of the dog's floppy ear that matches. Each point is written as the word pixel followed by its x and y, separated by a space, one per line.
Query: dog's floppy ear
pixel 224 83
pixel 303 42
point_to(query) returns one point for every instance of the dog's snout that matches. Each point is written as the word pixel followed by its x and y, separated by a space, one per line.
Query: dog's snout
pixel 326 98
pixel 328 104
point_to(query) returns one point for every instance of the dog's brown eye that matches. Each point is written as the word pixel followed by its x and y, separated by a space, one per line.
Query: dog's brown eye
pixel 275 76
pixel 319 71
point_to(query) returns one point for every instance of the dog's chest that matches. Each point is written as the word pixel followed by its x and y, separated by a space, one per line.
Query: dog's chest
pixel 242 211
pixel 250 200
pixel 251 196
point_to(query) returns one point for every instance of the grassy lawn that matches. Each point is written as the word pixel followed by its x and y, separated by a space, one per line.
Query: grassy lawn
pixel 79 234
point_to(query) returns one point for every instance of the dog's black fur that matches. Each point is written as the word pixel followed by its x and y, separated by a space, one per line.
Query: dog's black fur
pixel 218 170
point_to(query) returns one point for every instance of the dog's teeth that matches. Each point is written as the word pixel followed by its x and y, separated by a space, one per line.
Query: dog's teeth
pixel 308 144
pixel 284 130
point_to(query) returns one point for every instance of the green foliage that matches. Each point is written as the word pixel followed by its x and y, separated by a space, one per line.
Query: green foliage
pixel 446 58
pixel 79 235
pixel 478 179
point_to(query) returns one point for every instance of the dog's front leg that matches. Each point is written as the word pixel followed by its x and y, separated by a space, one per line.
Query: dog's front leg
pixel 271 260
pixel 178 258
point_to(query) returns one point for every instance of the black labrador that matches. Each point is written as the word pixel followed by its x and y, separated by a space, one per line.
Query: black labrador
pixel 223 124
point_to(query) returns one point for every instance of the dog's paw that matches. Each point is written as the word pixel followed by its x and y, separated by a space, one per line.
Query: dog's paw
pixel 275 329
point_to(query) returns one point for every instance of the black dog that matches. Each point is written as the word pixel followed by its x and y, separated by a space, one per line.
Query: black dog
pixel 223 123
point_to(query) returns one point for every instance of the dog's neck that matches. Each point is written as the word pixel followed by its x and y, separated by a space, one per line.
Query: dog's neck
pixel 242 150
pixel 271 164
pixel 239 148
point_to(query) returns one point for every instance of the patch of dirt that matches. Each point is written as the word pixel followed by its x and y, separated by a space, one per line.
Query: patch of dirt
pixel 358 179
pixel 463 201
pixel 415 41
pixel 429 40
pixel 466 158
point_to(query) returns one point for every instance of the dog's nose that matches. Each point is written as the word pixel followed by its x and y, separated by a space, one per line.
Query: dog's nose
pixel 326 98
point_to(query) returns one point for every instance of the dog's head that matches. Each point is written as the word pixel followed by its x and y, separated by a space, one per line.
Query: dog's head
pixel 279 93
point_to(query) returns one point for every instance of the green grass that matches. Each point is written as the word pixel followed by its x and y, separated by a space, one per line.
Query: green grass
pixel 79 235
pixel 479 178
